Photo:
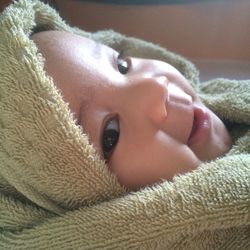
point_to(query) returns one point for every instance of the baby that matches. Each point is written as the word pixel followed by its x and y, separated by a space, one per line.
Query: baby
pixel 142 115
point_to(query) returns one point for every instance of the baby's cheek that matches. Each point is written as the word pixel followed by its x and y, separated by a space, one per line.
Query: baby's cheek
pixel 153 162
pixel 183 160
pixel 173 157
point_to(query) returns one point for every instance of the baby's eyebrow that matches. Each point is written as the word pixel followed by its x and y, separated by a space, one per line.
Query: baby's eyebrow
pixel 85 119
pixel 83 114
pixel 97 50
pixel 100 50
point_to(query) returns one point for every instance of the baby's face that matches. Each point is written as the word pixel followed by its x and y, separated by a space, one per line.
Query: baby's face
pixel 142 116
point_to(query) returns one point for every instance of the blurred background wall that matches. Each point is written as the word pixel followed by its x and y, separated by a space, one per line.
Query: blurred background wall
pixel 196 29
pixel 214 34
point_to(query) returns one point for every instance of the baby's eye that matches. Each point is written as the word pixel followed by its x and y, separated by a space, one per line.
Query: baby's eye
pixel 123 63
pixel 110 137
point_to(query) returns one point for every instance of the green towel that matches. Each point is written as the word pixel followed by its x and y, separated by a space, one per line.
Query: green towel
pixel 56 192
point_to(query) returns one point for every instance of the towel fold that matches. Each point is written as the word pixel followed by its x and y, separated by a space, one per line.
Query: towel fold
pixel 56 192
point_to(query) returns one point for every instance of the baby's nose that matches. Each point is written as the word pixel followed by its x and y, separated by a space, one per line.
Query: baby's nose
pixel 149 96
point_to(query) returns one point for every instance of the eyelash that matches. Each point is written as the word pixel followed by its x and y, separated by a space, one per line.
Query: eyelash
pixel 121 59
pixel 107 134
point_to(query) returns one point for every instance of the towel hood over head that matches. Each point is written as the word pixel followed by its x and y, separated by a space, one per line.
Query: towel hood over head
pixel 37 129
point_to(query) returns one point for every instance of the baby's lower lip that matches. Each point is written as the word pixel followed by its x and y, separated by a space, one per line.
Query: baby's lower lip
pixel 201 126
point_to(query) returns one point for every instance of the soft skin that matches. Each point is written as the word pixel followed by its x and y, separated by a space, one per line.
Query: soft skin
pixel 150 104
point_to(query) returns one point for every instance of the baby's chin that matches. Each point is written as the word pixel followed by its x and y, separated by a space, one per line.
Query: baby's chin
pixel 217 144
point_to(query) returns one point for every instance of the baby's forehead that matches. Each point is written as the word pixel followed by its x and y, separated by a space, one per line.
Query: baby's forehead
pixel 53 39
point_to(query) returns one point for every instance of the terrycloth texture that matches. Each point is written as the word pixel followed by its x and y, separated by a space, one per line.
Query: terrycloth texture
pixel 56 193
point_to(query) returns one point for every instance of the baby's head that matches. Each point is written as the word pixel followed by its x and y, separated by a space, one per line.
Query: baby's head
pixel 141 115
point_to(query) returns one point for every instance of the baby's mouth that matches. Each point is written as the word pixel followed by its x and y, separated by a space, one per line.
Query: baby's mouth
pixel 194 127
pixel 201 125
